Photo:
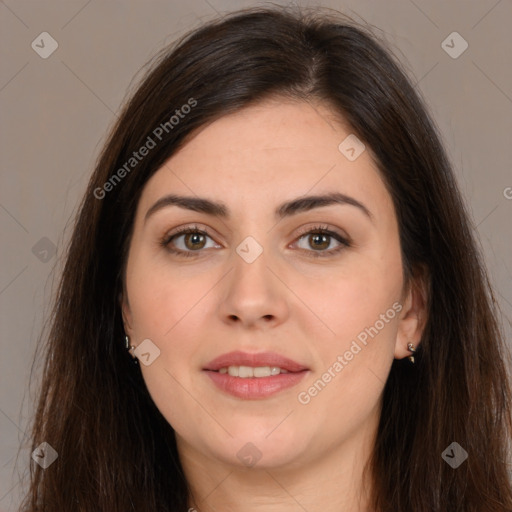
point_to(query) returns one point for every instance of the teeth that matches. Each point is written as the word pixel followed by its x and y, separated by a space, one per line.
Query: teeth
pixel 246 372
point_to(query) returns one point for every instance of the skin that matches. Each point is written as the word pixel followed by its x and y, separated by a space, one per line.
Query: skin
pixel 308 309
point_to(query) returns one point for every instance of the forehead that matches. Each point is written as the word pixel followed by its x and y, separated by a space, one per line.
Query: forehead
pixel 267 153
pixel 273 130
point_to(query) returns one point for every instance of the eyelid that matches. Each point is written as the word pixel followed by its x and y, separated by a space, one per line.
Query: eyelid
pixel 302 231
pixel 319 227
pixel 183 230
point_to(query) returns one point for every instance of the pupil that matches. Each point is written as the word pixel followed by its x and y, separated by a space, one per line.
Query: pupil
pixel 321 238
pixel 194 238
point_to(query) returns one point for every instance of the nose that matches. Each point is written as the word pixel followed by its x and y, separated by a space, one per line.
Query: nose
pixel 254 294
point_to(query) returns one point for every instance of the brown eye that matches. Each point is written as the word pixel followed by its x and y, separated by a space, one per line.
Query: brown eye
pixel 319 241
pixel 188 241
pixel 194 241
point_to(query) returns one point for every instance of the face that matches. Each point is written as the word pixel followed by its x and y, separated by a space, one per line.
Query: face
pixel 311 293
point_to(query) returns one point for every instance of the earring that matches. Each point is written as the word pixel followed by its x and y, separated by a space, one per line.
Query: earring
pixel 412 349
pixel 130 348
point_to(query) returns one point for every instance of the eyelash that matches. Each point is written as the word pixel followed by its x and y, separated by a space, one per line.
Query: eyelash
pixel 319 229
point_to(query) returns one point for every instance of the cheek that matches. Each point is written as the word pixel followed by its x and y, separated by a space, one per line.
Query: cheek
pixel 362 312
pixel 167 309
pixel 159 297
pixel 358 296
pixel 168 306
pixel 345 390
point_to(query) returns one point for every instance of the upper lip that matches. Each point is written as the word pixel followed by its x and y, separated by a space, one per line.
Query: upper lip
pixel 239 358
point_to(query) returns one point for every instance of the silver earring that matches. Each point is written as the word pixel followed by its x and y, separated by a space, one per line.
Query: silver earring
pixel 130 348
pixel 412 349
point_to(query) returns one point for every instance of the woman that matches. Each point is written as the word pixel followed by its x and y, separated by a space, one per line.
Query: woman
pixel 273 298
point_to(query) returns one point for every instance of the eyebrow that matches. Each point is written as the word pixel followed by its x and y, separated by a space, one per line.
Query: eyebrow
pixel 287 209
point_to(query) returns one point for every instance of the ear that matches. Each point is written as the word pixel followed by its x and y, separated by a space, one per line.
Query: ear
pixel 126 313
pixel 413 317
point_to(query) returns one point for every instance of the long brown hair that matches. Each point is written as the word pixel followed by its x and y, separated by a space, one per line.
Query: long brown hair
pixel 116 452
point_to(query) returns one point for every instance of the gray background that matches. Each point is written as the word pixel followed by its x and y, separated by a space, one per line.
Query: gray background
pixel 56 111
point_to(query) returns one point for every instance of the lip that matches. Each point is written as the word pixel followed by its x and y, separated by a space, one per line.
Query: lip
pixel 254 388
pixel 239 358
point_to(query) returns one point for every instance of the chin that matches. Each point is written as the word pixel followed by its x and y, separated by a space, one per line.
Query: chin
pixel 259 449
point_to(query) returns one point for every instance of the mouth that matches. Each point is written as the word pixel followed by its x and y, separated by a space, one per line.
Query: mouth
pixel 254 376
pixel 247 372
pixel 260 361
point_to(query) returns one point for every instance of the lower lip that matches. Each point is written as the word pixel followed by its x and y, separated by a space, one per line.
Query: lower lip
pixel 254 388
